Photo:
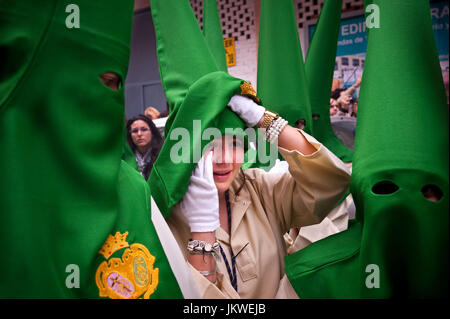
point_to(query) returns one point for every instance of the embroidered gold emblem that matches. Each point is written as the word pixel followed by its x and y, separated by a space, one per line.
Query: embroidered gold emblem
pixel 247 89
pixel 129 277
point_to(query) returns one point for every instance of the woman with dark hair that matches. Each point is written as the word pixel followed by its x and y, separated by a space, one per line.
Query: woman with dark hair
pixel 145 141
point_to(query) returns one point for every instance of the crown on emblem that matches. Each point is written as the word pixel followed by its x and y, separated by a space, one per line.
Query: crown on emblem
pixel 114 243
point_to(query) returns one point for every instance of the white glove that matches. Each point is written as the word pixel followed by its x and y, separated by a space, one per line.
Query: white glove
pixel 200 204
pixel 249 111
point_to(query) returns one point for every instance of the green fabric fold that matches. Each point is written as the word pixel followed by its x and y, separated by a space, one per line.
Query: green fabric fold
pixel 327 268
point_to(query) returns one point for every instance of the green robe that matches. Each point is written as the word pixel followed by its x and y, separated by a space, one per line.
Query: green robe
pixel 64 188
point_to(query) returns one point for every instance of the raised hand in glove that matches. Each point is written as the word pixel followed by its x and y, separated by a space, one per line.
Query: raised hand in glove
pixel 249 111
pixel 200 204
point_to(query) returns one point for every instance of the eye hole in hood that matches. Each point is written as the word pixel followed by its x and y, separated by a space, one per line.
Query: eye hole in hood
pixel 432 192
pixel 384 188
pixel 111 80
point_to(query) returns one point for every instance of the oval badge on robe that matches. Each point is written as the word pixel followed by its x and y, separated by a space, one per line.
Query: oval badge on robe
pixel 129 277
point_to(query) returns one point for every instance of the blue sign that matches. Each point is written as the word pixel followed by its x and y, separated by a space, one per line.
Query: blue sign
pixel 439 16
pixel 352 38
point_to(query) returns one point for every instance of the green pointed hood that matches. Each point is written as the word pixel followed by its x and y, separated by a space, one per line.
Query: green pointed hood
pixel 401 148
pixel 319 68
pixel 212 30
pixel 198 94
pixel 281 75
pixel 64 188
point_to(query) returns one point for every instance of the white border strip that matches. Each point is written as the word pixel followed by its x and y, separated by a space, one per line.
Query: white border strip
pixel 176 260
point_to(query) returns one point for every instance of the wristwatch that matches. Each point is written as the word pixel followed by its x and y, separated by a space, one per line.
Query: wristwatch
pixel 268 118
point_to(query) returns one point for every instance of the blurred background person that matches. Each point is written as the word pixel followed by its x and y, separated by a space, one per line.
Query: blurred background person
pixel 344 97
pixel 334 107
pixel 145 141
pixel 343 101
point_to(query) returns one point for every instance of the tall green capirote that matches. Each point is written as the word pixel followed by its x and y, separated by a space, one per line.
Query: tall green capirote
pixel 281 74
pixel 400 178
pixel 197 93
pixel 319 68
pixel 212 30
pixel 64 189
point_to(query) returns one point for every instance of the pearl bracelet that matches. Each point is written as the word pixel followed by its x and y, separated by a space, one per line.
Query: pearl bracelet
pixel 274 129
